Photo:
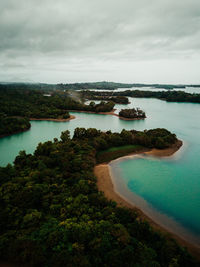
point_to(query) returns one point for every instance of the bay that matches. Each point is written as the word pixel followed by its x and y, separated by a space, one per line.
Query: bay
pixel 170 186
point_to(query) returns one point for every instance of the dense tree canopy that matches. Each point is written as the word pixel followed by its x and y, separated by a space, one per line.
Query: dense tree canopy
pixel 35 104
pixel 132 113
pixel 10 125
pixel 170 95
pixel 90 85
pixel 31 104
pixel 53 215
pixel 116 99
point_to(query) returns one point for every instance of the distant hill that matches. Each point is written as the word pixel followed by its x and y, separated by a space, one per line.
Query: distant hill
pixel 91 85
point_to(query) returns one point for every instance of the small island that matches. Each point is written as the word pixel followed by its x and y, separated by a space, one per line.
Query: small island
pixel 132 114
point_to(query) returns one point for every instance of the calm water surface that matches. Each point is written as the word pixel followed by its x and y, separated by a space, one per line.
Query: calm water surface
pixel 168 187
pixel 191 90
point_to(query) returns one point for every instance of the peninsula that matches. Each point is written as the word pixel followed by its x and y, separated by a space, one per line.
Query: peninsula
pixel 53 211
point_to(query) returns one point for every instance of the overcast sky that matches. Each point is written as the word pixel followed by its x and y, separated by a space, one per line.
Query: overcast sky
pixel 93 40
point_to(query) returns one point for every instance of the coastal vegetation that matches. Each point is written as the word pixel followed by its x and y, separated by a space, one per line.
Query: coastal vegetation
pixel 90 95
pixel 34 104
pixel 115 99
pixel 31 104
pixel 17 107
pixel 90 85
pixel 132 113
pixel 112 85
pixel 101 107
pixel 52 213
pixel 169 96
pixel 11 125
pixel 116 152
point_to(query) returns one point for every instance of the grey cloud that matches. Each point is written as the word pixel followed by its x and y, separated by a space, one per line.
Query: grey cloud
pixel 41 34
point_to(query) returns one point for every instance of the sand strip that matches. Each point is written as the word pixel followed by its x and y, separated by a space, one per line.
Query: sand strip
pixel 50 119
pixel 105 184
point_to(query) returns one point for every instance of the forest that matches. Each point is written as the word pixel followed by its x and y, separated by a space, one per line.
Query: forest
pixel 10 125
pixel 52 213
pixel 116 99
pixel 62 97
pixel 132 113
pixel 18 106
pixel 89 85
pixel 170 95
pixel 34 104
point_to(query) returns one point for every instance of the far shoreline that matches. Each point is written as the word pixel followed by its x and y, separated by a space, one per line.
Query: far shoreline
pixel 105 184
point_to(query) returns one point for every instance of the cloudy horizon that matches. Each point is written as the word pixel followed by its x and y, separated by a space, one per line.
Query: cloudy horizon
pixel 130 41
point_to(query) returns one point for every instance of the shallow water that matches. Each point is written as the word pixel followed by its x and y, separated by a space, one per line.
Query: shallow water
pixel 169 186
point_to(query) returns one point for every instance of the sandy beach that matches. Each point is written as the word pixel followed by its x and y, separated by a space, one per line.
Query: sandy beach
pixel 105 184
pixel 49 119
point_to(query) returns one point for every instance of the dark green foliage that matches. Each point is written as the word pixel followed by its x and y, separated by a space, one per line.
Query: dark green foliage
pixel 34 104
pixel 31 104
pixel 170 95
pixel 101 107
pixel 116 152
pixel 53 215
pixel 161 138
pixel 105 140
pixel 91 95
pixel 10 125
pixel 90 85
pixel 132 113
pixel 112 86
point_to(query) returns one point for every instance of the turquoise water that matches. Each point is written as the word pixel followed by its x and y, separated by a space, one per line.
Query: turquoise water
pixel 168 186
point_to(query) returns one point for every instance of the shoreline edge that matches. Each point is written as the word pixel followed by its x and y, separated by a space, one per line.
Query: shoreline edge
pixel 105 184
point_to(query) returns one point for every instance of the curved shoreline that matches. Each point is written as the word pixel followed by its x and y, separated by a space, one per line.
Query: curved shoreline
pixel 39 119
pixel 51 119
pixel 20 131
pixel 105 184
pixel 129 119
